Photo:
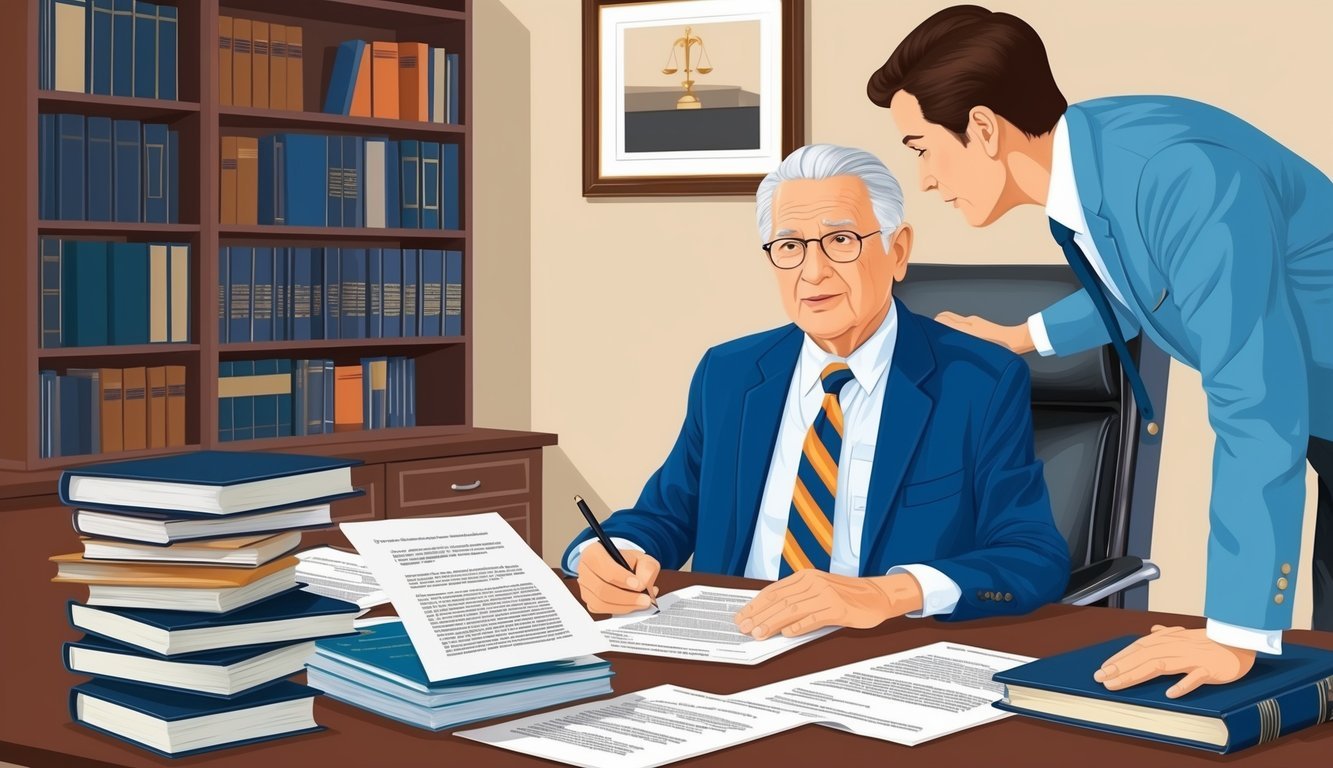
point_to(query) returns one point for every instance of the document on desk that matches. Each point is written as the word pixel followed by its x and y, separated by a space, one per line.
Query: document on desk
pixel 907 698
pixel 639 730
pixel 697 623
pixel 340 575
pixel 473 596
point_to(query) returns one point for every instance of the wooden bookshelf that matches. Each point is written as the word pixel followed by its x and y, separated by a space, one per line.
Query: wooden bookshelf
pixel 444 364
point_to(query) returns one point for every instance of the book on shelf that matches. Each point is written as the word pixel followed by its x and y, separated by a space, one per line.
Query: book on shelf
pixel 99 169
pixel 342 82
pixel 259 64
pixel 248 551
pixel 1279 695
pixel 225 61
pixel 242 56
pixel 224 673
pixel 176 724
pixel 277 51
pixel 384 79
pixel 413 82
pixel 104 410
pixel 164 528
pixel 347 400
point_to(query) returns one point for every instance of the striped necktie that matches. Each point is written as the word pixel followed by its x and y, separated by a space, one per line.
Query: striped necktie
pixel 809 541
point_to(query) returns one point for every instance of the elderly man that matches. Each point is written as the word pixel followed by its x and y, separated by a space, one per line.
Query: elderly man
pixel 871 461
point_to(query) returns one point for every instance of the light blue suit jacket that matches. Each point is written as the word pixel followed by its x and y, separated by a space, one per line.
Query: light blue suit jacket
pixel 1221 241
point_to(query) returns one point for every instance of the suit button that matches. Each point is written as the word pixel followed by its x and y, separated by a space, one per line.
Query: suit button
pixel 1008 597
pixel 1282 583
pixel 1153 428
pixel 1279 598
pixel 989 595
pixel 1286 569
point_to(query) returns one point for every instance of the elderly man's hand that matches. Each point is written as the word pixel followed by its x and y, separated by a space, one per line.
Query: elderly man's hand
pixel 1171 651
pixel 809 600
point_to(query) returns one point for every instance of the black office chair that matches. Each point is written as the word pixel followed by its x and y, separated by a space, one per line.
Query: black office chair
pixel 1086 427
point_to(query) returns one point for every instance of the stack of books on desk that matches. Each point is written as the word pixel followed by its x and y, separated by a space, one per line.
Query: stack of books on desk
pixel 379 670
pixel 194 617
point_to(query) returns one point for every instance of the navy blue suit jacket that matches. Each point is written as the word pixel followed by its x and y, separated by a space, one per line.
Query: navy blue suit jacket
pixel 954 484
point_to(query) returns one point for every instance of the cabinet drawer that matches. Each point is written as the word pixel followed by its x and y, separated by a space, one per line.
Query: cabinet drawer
pixel 519 516
pixel 369 478
pixel 428 486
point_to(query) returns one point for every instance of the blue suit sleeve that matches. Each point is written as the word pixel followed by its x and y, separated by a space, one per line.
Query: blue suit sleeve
pixel 664 520
pixel 1073 325
pixel 1021 560
pixel 1213 225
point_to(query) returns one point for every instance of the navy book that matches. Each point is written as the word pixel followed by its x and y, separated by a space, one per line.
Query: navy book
pixel 182 710
pixel 391 293
pixel 51 252
pixel 393 206
pixel 332 290
pixel 346 65
pixel 1281 694
pixel 145 50
pixel 409 182
pixel 411 416
pixel 432 292
pixel 101 189
pixel 224 404
pixel 334 185
pixel 167 45
pixel 375 292
pixel 129 301
pixel 453 75
pixel 282 293
pixel 238 293
pixel 305 179
pixel 86 284
pixel 48 169
pixel 210 468
pixel 155 171
pixel 224 292
pixel 243 406
pixel 173 177
pixel 271 180
pixel 411 304
pixel 450 206
pixel 302 280
pixel 122 48
pixel 99 47
pixel 286 424
pixel 261 295
pixel 430 185
pixel 265 405
pixel 225 657
pixel 71 169
pixel 327 402
pixel 353 181
pixel 453 293
pixel 352 300
pixel 69 437
pixel 128 202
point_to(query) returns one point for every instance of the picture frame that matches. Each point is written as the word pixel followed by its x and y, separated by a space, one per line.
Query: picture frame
pixel 690 97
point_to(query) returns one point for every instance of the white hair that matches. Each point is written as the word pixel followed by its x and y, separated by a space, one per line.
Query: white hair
pixel 823 161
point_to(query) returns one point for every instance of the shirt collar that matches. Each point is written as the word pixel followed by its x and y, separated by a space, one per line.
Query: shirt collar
pixel 868 362
pixel 1062 201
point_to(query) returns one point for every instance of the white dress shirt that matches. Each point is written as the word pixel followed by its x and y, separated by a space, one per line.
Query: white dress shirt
pixel 1063 205
pixel 862 401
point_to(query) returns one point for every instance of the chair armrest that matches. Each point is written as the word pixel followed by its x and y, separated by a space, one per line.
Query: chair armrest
pixel 1104 578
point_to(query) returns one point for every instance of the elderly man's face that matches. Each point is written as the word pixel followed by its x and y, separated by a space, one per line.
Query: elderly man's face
pixel 831 299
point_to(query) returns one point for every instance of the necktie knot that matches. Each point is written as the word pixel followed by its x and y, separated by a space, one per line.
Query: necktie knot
pixel 1063 235
pixel 835 377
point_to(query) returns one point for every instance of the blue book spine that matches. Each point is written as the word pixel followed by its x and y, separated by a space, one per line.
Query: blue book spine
pixel 367 394
pixel 155 181
pixel 224 293
pixel 122 48
pixel 100 180
pixel 332 289
pixel 173 177
pixel 225 411
pixel 285 421
pixel 281 294
pixel 73 178
pixel 50 251
pixel 411 303
pixel 432 292
pixel 317 310
pixel 346 66
pixel 86 282
pixel 327 400
pixel 391 392
pixel 167 46
pixel 302 270
pixel 99 47
pixel 265 405
pixel 145 50
pixel 393 191
pixel 410 182
pixel 128 296
pixel 48 145
pixel 411 391
pixel 374 293
pixel 46 392
pixel 333 147
pixel 453 293
pixel 352 306
pixel 270 180
pixel 299 399
pixel 354 181
pixel 430 84
pixel 450 201
pixel 451 67
pixel 46 48
pixel 304 179
pixel 70 436
pixel 238 301
pixel 127 161
pixel 430 185
pixel 261 295
pixel 391 293
pixel 243 408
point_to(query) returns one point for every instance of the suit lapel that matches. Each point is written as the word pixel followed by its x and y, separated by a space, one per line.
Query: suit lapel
pixel 906 411
pixel 761 415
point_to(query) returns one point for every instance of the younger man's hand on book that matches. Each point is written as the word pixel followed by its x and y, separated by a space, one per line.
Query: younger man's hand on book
pixel 1171 651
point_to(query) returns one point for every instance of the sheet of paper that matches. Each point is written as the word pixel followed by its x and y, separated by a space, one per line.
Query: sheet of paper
pixel 340 575
pixel 907 698
pixel 638 730
pixel 696 623
pixel 473 596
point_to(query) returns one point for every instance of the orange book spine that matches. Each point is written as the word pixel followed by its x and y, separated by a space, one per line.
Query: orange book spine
pixel 384 74
pixel 361 103
pixel 227 193
pixel 136 409
pixel 413 81
pixel 242 57
pixel 149 574
pixel 277 68
pixel 347 395
pixel 295 69
pixel 224 60
pixel 157 407
pixel 175 405
pixel 259 64
pixel 110 380
pixel 247 180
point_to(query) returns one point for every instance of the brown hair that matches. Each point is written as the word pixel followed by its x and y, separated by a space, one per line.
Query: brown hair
pixel 967 56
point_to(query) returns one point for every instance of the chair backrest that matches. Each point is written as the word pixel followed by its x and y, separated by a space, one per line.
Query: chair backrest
pixel 1085 425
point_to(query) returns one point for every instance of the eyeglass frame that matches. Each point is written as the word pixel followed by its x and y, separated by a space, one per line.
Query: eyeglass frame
pixel 805 247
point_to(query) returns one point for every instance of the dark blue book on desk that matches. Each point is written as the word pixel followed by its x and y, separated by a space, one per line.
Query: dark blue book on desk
pixel 1281 694
pixel 178 724
pixel 225 673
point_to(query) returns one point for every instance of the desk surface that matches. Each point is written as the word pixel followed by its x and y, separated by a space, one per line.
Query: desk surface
pixel 35 729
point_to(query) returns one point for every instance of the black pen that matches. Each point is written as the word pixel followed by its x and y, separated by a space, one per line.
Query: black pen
pixel 606 541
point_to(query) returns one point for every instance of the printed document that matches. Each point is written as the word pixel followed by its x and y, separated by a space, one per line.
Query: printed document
pixel 473 596
pixel 341 575
pixel 697 623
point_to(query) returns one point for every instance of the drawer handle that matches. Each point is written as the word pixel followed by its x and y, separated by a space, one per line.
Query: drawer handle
pixel 472 486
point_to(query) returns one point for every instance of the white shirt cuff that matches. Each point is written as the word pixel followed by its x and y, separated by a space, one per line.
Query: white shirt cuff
pixel 1040 339
pixel 939 592
pixel 1261 640
pixel 621 544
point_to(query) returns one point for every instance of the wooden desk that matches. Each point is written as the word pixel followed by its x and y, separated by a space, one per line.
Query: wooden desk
pixel 35 729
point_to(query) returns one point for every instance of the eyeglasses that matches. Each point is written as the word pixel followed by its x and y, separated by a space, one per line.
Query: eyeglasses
pixel 842 246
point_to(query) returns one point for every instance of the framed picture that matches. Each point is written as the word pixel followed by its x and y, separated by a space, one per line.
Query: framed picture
pixel 690 97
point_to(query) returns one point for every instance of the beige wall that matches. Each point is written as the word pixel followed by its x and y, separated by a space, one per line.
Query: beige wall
pixel 599 338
